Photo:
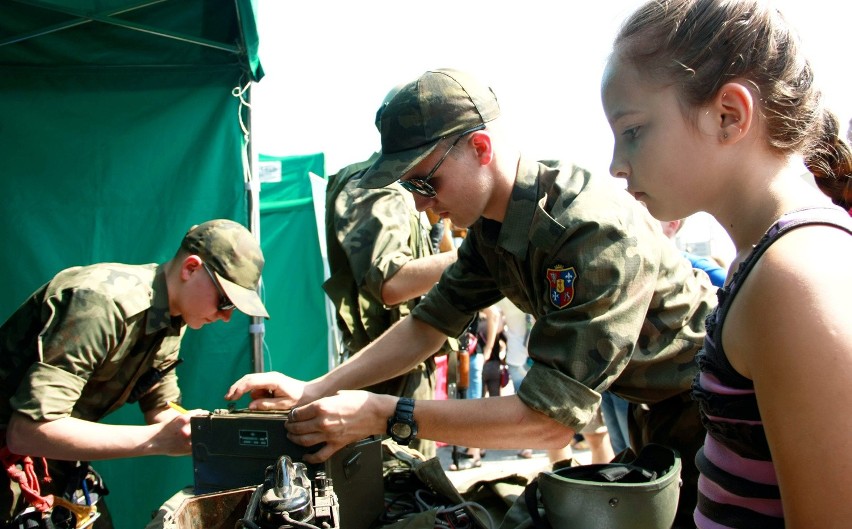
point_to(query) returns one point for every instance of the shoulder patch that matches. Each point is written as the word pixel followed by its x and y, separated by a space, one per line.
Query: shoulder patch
pixel 561 281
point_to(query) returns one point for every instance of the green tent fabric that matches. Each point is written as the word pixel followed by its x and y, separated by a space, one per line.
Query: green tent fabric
pixel 131 33
pixel 296 334
pixel 120 131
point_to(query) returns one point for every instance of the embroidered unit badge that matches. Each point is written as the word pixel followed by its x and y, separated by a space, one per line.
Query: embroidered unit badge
pixel 561 282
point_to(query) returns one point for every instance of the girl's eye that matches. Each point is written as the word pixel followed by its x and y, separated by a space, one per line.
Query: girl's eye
pixel 631 133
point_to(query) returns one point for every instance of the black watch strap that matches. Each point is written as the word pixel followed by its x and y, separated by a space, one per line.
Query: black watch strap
pixel 402 427
pixel 405 409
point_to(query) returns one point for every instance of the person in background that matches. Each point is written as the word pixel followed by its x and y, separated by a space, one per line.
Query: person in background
pixel 709 266
pixel 615 304
pixel 381 260
pixel 486 328
pixel 517 358
pixel 440 233
pixel 714 108
pixel 614 411
pixel 492 371
pixel 94 338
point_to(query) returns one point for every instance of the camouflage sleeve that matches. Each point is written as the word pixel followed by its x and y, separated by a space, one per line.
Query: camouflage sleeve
pixel 582 342
pixel 81 327
pixel 466 286
pixel 374 229
pixel 560 397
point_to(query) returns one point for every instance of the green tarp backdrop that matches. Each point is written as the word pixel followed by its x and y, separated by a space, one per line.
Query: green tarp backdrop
pixel 119 131
pixel 293 284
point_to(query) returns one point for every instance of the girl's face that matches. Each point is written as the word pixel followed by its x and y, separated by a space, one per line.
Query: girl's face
pixel 661 155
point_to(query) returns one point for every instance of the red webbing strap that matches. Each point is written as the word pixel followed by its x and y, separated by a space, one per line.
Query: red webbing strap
pixel 26 478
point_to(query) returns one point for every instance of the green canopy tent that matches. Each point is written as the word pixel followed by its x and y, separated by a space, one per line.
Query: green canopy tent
pixel 124 123
pixel 297 338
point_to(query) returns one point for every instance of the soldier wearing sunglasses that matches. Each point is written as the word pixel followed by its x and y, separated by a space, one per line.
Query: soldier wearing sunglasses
pixel 615 304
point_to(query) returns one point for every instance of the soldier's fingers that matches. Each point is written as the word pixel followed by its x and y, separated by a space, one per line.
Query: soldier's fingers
pixel 304 426
pixel 304 413
pixel 251 383
pixel 322 454
pixel 262 393
pixel 236 390
pixel 270 404
pixel 312 438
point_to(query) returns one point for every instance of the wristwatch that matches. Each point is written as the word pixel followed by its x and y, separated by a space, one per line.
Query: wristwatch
pixel 402 427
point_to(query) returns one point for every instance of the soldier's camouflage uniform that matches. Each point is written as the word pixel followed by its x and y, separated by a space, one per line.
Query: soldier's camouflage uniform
pixel 615 303
pixel 371 234
pixel 77 347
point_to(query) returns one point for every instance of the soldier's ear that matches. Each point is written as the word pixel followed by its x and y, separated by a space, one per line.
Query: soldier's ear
pixel 481 141
pixel 189 265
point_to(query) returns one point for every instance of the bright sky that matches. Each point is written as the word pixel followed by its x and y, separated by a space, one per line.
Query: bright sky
pixel 329 64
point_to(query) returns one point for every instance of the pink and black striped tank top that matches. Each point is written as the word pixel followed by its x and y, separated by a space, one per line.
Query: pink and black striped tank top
pixel 737 487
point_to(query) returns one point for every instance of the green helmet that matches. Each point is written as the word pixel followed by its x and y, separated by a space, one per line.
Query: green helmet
pixel 641 494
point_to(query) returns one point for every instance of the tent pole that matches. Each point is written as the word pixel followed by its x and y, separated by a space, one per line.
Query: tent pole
pixel 258 328
pixel 252 183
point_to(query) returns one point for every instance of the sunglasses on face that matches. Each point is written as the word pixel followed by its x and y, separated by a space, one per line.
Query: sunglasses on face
pixel 225 304
pixel 421 186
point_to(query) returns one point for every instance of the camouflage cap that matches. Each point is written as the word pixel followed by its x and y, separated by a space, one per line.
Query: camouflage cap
pixel 234 256
pixel 385 102
pixel 436 105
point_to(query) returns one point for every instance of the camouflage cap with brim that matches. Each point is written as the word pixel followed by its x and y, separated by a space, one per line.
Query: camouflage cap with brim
pixel 234 256
pixel 439 104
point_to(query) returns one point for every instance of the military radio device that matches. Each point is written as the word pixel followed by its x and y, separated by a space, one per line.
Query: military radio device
pixel 288 499
pixel 234 448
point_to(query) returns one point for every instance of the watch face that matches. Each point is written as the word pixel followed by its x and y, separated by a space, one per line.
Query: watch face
pixel 401 430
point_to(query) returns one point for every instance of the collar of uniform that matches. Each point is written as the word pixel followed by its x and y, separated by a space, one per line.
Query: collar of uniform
pixel 514 233
pixel 158 315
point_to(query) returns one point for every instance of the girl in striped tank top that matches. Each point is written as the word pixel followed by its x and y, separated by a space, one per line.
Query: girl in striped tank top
pixel 713 108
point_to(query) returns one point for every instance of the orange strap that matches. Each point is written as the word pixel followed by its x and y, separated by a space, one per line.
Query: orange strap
pixel 26 478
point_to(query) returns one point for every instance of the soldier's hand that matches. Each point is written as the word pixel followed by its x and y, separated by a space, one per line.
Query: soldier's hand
pixel 174 436
pixel 338 420
pixel 269 391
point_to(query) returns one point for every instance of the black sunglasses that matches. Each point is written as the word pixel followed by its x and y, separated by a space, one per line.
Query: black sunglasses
pixel 421 186
pixel 224 302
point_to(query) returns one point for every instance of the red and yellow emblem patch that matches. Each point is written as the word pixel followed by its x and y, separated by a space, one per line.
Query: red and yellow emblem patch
pixel 561 281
